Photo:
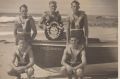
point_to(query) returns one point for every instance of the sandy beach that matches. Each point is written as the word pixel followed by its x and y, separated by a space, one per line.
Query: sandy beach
pixel 6 51
pixel 7 47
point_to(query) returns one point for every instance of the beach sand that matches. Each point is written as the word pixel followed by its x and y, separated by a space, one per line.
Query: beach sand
pixel 6 51
pixel 7 48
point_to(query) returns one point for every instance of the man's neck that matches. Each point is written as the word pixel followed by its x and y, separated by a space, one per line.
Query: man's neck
pixel 74 46
pixel 22 50
pixel 76 13
pixel 52 12
pixel 24 17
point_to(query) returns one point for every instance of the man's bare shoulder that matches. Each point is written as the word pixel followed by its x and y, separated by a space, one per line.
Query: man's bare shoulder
pixel 16 52
pixel 29 49
pixel 30 17
pixel 83 13
pixel 17 19
pixel 46 13
pixel 67 48
pixel 70 17
pixel 58 13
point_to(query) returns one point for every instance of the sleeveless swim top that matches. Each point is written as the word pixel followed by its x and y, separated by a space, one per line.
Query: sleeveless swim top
pixel 74 61
pixel 24 26
pixel 48 18
pixel 24 29
pixel 79 18
pixel 22 61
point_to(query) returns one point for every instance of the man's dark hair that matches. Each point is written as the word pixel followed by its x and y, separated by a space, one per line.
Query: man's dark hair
pixel 24 5
pixel 76 2
pixel 53 2
pixel 78 34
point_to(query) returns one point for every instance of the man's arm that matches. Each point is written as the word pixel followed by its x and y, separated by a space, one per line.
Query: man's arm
pixel 15 29
pixel 27 50
pixel 86 28
pixel 18 69
pixel 30 64
pixel 83 58
pixel 33 28
pixel 13 61
pixel 42 21
pixel 68 31
pixel 63 62
pixel 60 20
pixel 31 59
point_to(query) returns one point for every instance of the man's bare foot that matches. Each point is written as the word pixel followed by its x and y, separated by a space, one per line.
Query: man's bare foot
pixel 19 77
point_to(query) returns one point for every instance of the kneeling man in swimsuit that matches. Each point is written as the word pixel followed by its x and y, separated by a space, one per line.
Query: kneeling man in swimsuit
pixel 25 61
pixel 74 58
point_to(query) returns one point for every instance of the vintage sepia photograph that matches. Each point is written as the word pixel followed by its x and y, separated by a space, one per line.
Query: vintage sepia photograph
pixel 58 39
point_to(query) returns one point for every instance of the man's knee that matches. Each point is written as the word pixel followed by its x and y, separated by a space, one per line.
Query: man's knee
pixel 12 72
pixel 65 71
pixel 79 72
pixel 30 71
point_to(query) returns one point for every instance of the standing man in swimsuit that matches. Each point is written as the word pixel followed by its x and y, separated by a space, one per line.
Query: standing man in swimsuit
pixel 52 23
pixel 74 58
pixel 25 61
pixel 77 21
pixel 24 24
pixel 50 16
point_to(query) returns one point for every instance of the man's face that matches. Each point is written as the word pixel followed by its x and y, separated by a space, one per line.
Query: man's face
pixel 21 45
pixel 23 11
pixel 75 7
pixel 52 7
pixel 73 41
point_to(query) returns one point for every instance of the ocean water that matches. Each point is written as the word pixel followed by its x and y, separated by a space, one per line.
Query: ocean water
pixel 101 27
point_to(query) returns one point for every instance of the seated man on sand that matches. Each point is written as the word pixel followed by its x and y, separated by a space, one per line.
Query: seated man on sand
pixel 25 61
pixel 74 58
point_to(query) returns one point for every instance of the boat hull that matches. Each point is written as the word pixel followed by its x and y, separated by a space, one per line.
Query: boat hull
pixel 49 53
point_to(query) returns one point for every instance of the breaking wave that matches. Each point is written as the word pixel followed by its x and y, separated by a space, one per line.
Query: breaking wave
pixel 7 19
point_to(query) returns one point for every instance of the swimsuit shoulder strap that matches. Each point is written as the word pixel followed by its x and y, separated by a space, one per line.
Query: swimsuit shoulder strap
pixel 17 19
pixel 29 17
pixel 46 13
pixel 18 54
pixel 71 52
pixel 82 48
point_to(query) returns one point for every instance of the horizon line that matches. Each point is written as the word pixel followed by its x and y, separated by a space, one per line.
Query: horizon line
pixel 63 14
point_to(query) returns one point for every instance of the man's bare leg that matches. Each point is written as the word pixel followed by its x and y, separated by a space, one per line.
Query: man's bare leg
pixel 30 72
pixel 79 74
pixel 18 77
pixel 69 76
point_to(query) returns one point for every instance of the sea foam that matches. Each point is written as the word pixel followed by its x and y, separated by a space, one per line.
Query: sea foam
pixel 6 19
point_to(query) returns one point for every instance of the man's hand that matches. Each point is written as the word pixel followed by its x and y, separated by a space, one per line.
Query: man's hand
pixel 79 66
pixel 69 68
pixel 20 69
pixel 86 41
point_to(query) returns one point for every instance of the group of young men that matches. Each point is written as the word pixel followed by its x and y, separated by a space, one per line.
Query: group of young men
pixel 74 58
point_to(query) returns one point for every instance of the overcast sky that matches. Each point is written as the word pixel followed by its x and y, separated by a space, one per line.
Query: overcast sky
pixel 92 7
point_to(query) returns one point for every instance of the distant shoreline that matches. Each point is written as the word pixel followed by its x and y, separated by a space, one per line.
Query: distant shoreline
pixel 93 20
pixel 40 14
pixel 11 33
